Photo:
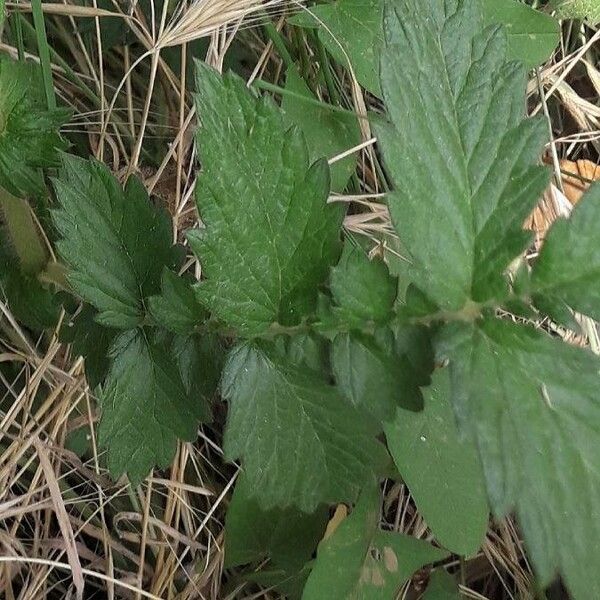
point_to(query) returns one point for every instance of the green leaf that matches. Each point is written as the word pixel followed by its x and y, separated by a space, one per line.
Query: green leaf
pixel 370 374
pixel 200 359
pixel 568 268
pixel 361 562
pixel 270 236
pixel 306 350
pixel 531 403
pixel 287 536
pixel 30 302
pixel 91 340
pixel 461 164
pixel 300 442
pixel 145 407
pixel 114 241
pixel 350 30
pixel 362 288
pixel 442 586
pixel 532 35
pixel 29 137
pixel 327 133
pixel 442 469
pixel 578 9
pixel 289 583
pixel 177 308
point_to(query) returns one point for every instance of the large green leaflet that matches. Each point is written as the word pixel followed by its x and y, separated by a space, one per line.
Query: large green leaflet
pixel 568 269
pixel 461 165
pixel 442 469
pixel 532 405
pixel 300 442
pixel 270 236
pixel 114 241
pixel 532 35
pixel 362 562
pixel 145 406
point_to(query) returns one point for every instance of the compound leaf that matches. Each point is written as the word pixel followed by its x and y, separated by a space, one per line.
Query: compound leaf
pixel 531 404
pixel 29 137
pixel 568 268
pixel 361 562
pixel 270 236
pixel 286 535
pixel 300 442
pixel 461 165
pixel 114 241
pixel 145 406
pixel 441 468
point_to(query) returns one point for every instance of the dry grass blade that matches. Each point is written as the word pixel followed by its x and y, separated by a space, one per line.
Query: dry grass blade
pixel 63 518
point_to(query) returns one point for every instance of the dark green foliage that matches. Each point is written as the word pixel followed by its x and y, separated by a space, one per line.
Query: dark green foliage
pixel 29 138
pixel 323 364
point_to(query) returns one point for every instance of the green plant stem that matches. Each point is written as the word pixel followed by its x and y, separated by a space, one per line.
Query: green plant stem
pixel 278 41
pixel 270 87
pixel 326 69
pixel 23 233
pixel 43 52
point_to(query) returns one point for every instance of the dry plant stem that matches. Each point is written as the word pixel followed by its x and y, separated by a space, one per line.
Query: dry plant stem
pixel 62 517
pixel 105 535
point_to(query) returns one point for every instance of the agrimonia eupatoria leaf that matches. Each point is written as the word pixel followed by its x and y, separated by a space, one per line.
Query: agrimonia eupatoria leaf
pixel 145 406
pixel 441 469
pixel 115 242
pixel 568 268
pixel 361 562
pixel 531 404
pixel 299 441
pixel 270 236
pixel 29 137
pixel 462 163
